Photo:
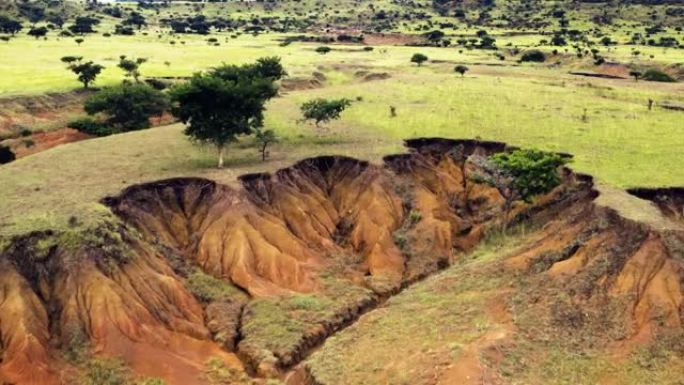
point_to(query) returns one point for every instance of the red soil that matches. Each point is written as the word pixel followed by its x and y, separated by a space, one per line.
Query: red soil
pixel 125 290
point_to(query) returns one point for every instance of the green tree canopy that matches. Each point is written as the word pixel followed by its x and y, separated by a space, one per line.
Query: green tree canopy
pixel 8 25
pixel 86 72
pixel 461 69
pixel 226 102
pixel 322 110
pixel 38 32
pixel 131 66
pixel 419 59
pixel 519 175
pixel 128 107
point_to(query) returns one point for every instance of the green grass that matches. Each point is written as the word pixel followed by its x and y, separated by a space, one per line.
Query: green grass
pixel 209 289
pixel 274 327
pixel 420 332
pixel 423 332
pixel 621 142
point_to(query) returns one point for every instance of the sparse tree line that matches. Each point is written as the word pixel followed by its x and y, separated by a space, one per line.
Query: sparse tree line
pixel 218 106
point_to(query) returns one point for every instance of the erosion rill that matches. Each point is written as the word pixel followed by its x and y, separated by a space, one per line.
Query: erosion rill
pixel 255 279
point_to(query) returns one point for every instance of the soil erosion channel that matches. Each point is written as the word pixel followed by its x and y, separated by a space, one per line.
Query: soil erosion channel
pixel 192 275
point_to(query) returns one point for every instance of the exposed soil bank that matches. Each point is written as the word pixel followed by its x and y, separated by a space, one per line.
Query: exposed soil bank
pixel 669 200
pixel 17 113
pixel 260 276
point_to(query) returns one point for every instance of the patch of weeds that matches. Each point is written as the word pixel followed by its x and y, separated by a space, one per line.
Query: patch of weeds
pixel 497 243
pixel 274 328
pixel 208 288
pixel 401 239
pixel 405 192
pixel 414 217
pixel 342 231
pixel 150 381
pixel 217 373
pixel 104 371
pixel 76 347
pixel 342 262
pixel 306 302
pixel 382 285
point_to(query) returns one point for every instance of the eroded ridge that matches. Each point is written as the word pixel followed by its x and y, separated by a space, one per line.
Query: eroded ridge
pixel 256 278
pixel 669 200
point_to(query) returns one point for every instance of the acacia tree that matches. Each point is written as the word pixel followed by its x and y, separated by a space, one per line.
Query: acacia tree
pixel 519 175
pixel 323 50
pixel 131 66
pixel 226 102
pixel 419 59
pixel 322 110
pixel 461 69
pixel 8 25
pixel 38 32
pixel 86 72
pixel 264 138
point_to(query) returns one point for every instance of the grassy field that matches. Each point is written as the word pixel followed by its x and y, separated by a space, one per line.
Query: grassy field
pixel 605 123
pixel 402 344
pixel 469 300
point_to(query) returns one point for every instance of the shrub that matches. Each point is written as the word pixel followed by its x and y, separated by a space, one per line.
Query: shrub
pixel 419 59
pixel 157 84
pixel 519 175
pixel 461 69
pixel 106 372
pixel 86 72
pixel 655 75
pixel 323 50
pixel 414 217
pixel 264 138
pixel 533 56
pixel 128 107
pixel 6 155
pixel 150 381
pixel 91 127
pixel 322 110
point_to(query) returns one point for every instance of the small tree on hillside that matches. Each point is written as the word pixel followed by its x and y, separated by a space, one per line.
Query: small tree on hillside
pixel 84 24
pixel 519 175
pixel 56 19
pixel 10 26
pixel 461 69
pixel 226 102
pixel 419 59
pixel 128 107
pixel 135 19
pixel 264 138
pixel 322 110
pixel 323 50
pixel 86 72
pixel 131 67
pixel 38 32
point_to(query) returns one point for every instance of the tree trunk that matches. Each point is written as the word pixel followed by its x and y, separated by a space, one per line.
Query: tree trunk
pixel 220 156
